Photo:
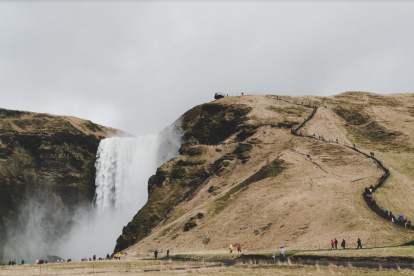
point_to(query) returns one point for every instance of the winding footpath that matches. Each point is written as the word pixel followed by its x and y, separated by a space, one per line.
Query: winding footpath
pixel 374 206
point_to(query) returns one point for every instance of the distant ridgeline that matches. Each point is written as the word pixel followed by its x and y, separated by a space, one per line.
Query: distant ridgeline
pixel 46 168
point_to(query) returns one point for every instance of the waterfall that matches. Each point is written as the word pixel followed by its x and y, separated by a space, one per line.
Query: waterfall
pixel 123 167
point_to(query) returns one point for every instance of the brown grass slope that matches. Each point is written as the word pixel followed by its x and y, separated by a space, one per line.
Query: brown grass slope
pixel 244 178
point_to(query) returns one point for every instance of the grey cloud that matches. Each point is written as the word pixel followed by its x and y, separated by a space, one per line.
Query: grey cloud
pixel 137 66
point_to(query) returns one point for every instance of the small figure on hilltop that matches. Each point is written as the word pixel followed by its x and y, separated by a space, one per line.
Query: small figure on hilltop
pixel 239 249
pixel 354 146
pixel 332 244
pixel 156 254
pixel 282 254
pixel 336 243
pixel 273 257
pixel 343 243
pixel 231 248
pixel 168 253
pixel 359 243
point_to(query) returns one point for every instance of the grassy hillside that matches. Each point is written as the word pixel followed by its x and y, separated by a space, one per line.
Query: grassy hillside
pixel 242 177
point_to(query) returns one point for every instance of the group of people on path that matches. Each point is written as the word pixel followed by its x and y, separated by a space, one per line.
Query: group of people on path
pixel 385 213
pixel 282 255
pixel 322 138
pixel 59 260
pixel 239 249
pixel 401 219
pixel 334 244
pixel 156 254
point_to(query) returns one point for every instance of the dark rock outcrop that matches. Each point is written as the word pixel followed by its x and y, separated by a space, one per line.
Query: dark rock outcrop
pixel 177 180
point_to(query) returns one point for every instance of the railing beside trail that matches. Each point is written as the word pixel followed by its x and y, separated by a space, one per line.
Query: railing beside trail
pixel 374 206
pixel 294 131
pixel 244 94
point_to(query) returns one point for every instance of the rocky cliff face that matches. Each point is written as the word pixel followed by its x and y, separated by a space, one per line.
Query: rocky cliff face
pixel 47 157
pixel 178 179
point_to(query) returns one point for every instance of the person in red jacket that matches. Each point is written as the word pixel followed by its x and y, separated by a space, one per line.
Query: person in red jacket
pixel 239 248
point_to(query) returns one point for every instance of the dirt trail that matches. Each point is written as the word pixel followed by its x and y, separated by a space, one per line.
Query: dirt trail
pixel 368 195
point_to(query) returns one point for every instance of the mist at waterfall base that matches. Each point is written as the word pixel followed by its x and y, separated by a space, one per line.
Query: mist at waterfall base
pixel 123 167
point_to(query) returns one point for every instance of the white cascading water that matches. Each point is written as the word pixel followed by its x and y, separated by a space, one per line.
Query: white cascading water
pixel 123 167
pixel 121 164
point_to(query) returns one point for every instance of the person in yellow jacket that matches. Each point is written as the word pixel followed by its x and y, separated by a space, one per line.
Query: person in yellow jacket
pixel 231 248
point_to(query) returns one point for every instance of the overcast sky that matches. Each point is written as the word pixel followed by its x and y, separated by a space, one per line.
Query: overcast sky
pixel 139 65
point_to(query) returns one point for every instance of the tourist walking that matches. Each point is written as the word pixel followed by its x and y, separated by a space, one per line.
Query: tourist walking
pixel 359 243
pixel 282 254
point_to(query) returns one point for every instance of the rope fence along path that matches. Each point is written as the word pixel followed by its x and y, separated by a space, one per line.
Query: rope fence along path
pixel 368 193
